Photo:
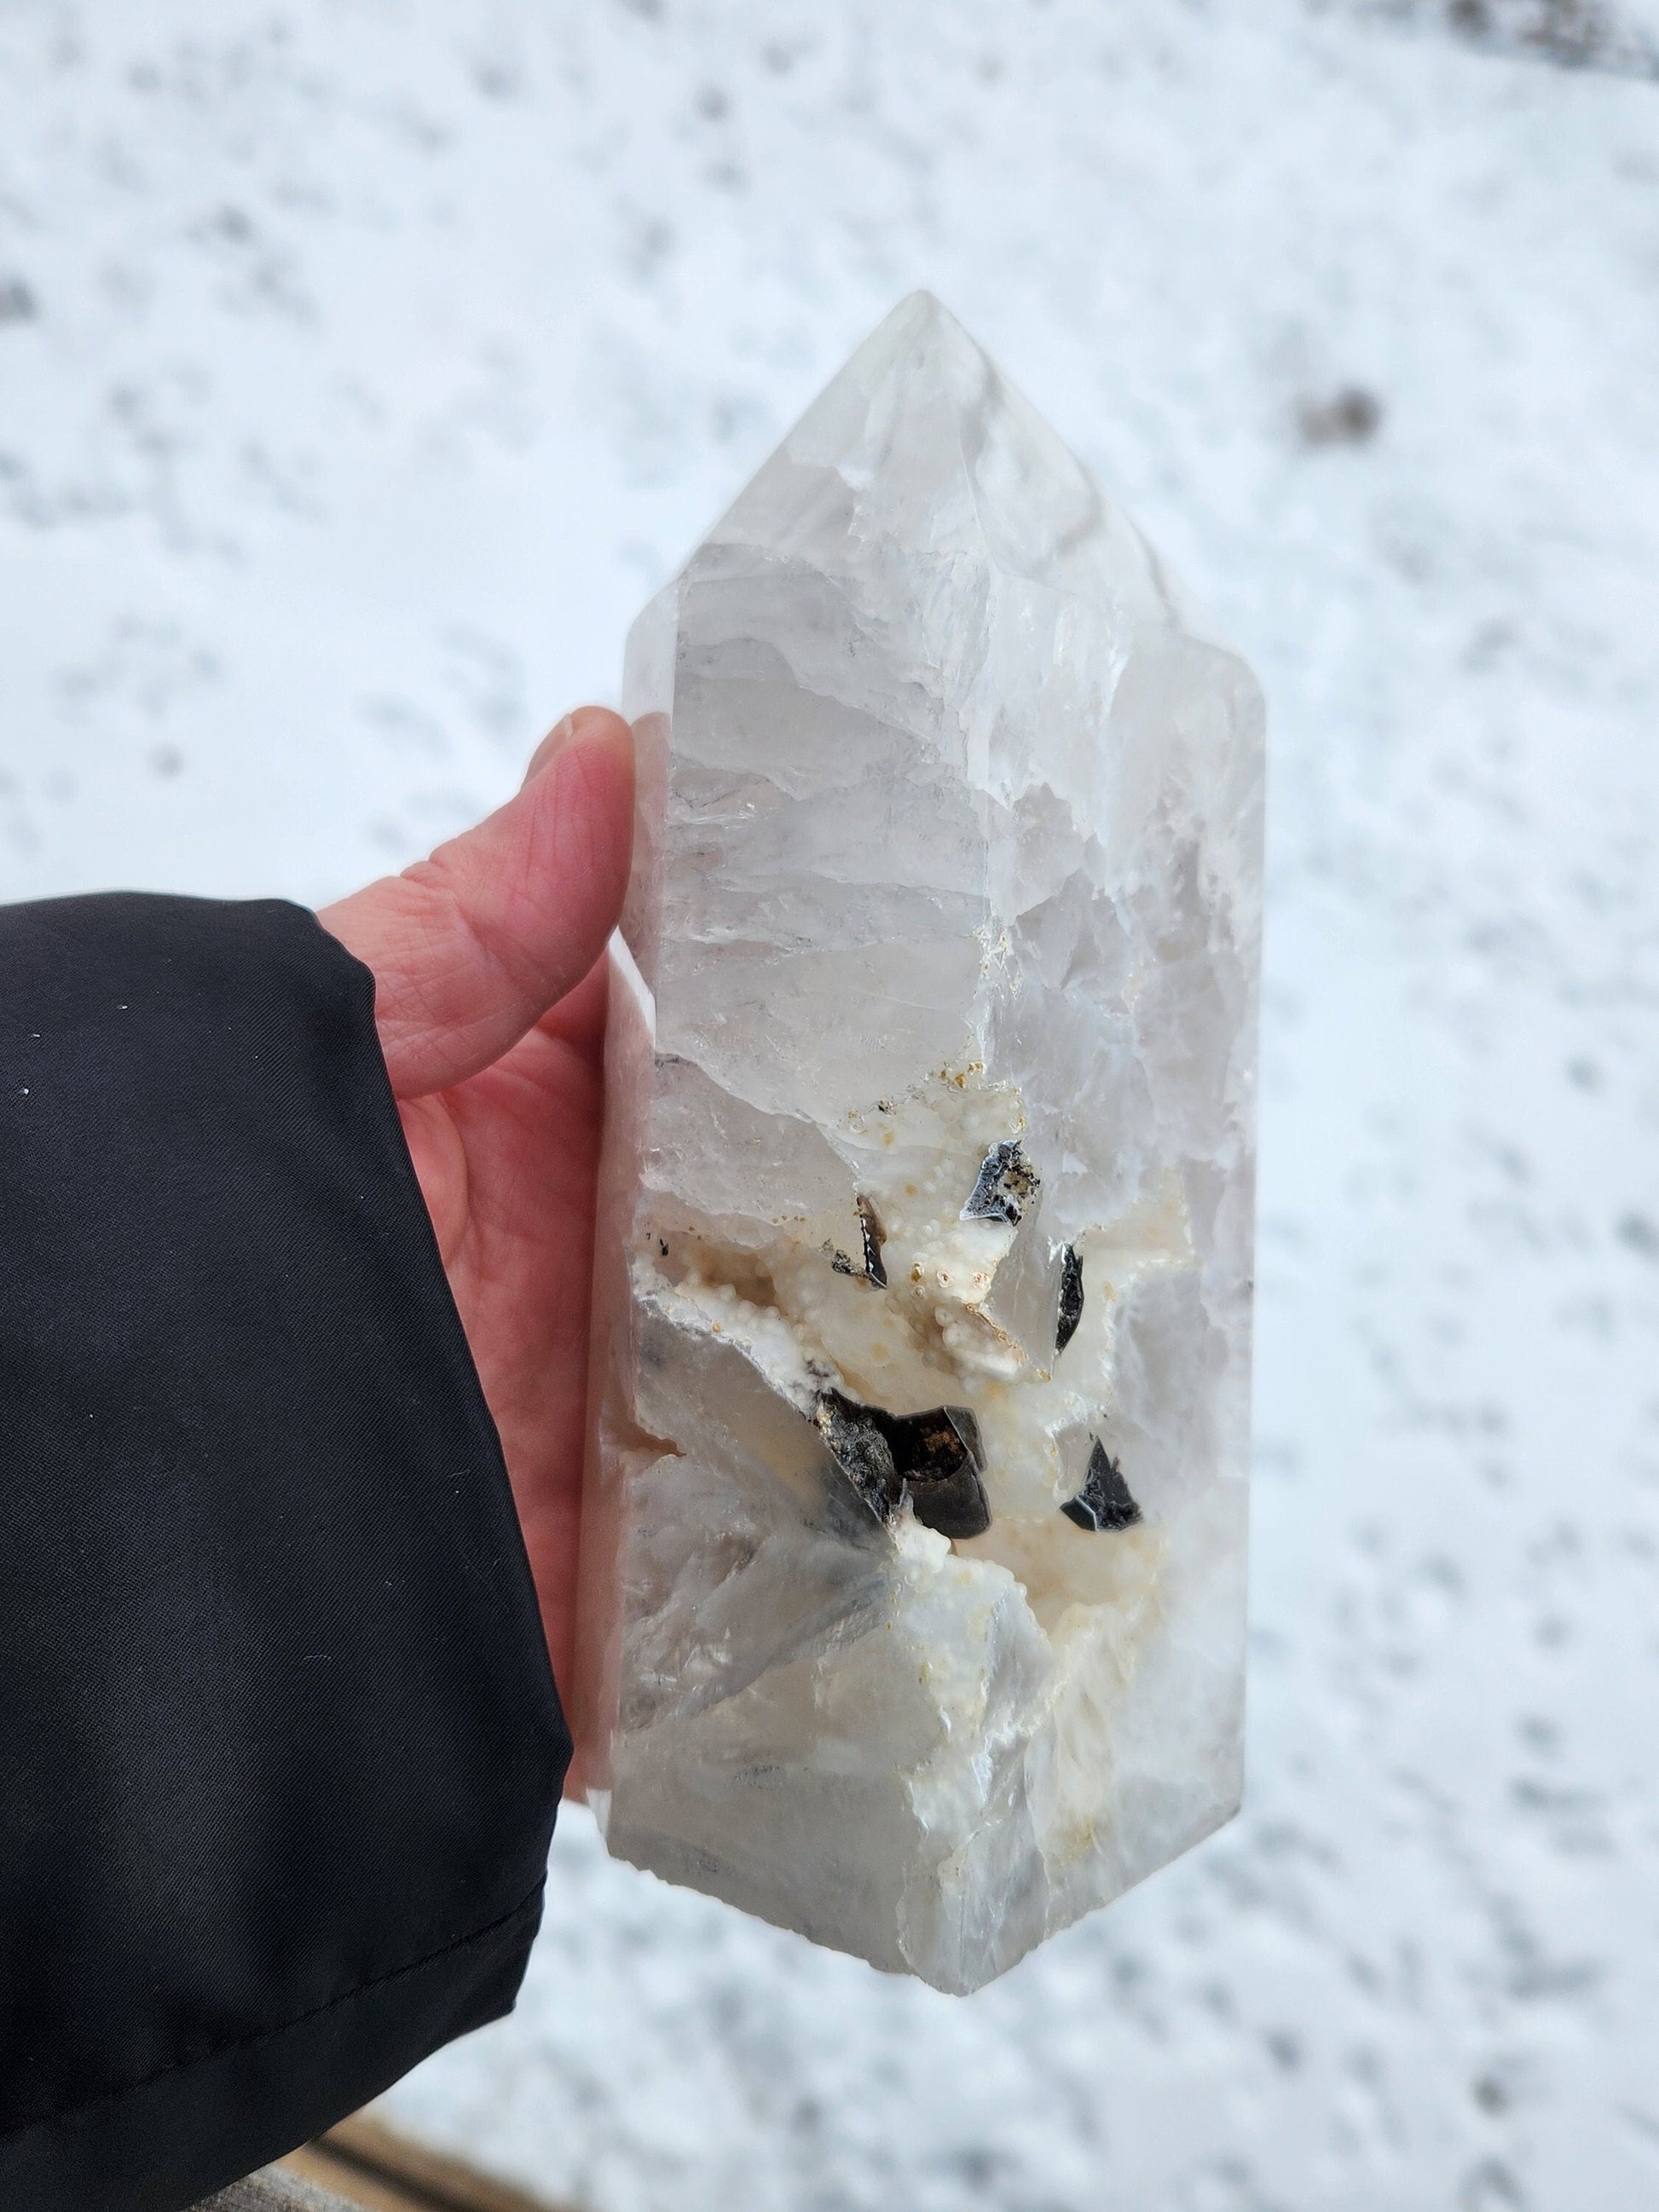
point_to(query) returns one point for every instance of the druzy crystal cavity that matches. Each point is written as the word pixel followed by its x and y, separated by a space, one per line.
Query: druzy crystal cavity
pixel 915 1520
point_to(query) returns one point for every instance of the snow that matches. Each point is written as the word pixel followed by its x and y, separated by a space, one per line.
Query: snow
pixel 362 368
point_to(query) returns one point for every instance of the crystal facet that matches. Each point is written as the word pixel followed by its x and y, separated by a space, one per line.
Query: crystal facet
pixel 914 1531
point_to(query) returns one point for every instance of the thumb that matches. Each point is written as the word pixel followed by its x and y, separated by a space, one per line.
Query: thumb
pixel 472 946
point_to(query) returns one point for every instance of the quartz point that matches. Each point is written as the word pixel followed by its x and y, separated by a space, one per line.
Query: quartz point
pixel 914 1525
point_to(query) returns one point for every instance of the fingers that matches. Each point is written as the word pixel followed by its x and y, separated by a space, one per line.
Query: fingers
pixel 471 948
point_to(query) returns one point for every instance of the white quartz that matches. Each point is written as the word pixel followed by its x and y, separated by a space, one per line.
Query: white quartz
pixel 935 1005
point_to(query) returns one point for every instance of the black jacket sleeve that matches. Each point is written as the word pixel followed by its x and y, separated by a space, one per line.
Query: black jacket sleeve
pixel 280 1749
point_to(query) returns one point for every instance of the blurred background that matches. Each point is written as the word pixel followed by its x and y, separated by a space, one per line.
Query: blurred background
pixel 364 364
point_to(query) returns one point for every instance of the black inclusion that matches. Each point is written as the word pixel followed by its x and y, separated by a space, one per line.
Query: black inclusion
pixel 939 1456
pixel 875 1237
pixel 1103 1502
pixel 935 1459
pixel 862 1451
pixel 1005 1185
pixel 1070 1299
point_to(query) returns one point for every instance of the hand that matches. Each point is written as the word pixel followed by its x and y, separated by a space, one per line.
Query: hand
pixel 489 999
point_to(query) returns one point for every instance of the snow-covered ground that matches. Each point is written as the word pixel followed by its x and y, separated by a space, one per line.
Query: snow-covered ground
pixel 364 363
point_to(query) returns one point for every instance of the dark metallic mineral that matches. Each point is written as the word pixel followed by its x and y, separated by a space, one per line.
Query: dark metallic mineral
pixel 855 1435
pixel 1005 1186
pixel 1070 1299
pixel 1103 1502
pixel 934 1458
pixel 939 1456
pixel 874 1237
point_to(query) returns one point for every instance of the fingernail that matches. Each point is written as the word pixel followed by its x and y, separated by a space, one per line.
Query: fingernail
pixel 560 736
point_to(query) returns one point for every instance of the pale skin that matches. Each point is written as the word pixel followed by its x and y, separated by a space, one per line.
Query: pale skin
pixel 490 999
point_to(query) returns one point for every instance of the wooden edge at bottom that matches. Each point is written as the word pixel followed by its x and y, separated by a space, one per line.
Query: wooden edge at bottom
pixel 373 2167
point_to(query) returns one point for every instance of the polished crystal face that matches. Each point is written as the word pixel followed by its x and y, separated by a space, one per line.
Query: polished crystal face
pixel 913 1536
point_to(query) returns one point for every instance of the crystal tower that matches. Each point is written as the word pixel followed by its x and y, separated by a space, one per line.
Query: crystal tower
pixel 915 1520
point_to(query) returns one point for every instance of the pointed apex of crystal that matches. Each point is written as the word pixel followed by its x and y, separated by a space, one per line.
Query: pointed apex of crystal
pixel 927 1202
pixel 920 441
